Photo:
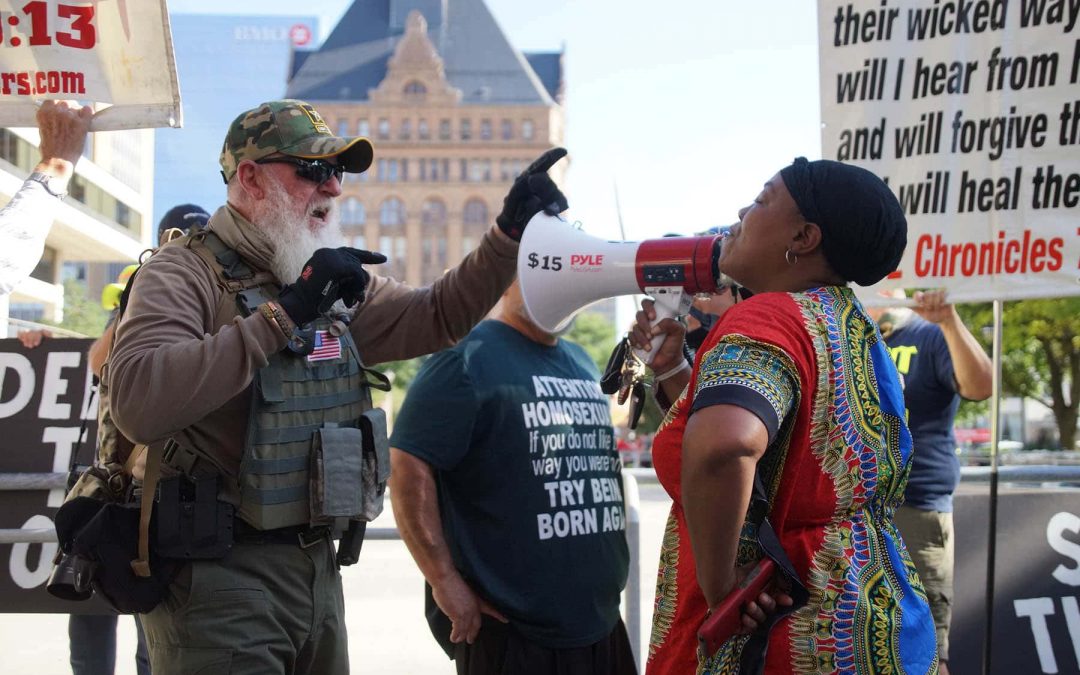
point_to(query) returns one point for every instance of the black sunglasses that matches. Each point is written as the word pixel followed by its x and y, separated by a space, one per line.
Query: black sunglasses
pixel 317 171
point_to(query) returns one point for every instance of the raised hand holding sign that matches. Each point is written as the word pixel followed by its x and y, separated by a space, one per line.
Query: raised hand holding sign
pixel 84 51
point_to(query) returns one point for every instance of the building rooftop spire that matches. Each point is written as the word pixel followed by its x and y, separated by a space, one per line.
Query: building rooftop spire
pixel 375 37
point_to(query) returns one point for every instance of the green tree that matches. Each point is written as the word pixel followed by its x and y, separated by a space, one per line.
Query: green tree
pixel 82 314
pixel 596 335
pixel 1040 354
pixel 401 374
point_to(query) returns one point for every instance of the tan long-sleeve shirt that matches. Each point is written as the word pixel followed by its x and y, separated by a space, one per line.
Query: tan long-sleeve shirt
pixel 174 372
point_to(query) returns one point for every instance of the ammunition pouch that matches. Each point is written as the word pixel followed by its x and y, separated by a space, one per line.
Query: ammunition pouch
pixel 192 524
pixel 348 487
pixel 349 470
pixel 376 463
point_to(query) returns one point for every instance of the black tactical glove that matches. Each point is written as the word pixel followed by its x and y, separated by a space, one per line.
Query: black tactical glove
pixel 329 275
pixel 532 192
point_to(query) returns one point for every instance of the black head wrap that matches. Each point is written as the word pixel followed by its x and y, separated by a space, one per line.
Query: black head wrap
pixel 863 229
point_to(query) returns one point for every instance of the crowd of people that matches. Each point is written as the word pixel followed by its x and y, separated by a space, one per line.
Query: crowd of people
pixel 239 368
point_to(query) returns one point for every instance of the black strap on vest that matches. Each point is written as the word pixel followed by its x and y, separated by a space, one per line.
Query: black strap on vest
pixel 232 265
pixel 753 652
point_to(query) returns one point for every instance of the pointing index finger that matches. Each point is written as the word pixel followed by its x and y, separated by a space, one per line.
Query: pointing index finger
pixel 545 161
pixel 364 257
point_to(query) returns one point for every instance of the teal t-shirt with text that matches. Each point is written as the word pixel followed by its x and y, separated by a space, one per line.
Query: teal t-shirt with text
pixel 530 489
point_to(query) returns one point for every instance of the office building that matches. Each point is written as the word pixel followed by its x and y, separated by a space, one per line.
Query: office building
pixel 455 113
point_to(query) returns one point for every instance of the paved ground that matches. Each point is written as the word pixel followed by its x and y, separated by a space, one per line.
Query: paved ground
pixel 384 605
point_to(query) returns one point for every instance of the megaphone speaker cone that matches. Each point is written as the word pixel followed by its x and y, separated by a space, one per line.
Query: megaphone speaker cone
pixel 563 270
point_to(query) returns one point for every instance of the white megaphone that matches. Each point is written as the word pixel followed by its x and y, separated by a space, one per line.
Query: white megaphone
pixel 562 270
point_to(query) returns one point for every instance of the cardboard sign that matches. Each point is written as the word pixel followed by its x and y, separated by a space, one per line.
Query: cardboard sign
pixel 118 53
pixel 1036 581
pixel 971 111
pixel 48 410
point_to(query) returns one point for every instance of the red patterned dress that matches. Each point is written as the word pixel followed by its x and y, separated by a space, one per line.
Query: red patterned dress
pixel 813 367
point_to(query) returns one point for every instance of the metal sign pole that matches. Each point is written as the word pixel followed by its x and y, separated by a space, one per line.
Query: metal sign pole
pixel 995 433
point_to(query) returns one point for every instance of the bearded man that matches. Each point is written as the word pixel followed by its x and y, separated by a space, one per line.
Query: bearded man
pixel 261 388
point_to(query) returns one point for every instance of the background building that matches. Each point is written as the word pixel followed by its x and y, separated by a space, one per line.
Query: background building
pixel 226 64
pixel 455 113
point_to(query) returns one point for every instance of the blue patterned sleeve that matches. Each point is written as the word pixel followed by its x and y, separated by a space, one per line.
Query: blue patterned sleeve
pixel 753 375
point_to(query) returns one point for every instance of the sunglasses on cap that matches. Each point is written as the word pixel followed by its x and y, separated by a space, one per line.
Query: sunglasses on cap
pixel 317 171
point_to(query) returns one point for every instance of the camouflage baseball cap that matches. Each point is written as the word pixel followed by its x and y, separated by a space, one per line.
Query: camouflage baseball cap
pixel 293 128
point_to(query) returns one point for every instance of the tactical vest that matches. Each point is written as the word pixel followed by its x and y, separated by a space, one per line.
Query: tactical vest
pixel 316 452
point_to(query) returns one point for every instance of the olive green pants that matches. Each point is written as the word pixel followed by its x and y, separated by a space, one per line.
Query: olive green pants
pixel 263 609
pixel 928 536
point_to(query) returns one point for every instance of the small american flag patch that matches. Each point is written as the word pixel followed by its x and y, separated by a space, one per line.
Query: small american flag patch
pixel 327 347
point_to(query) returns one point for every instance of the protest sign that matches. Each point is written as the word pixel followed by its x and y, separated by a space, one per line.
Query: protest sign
pixel 48 412
pixel 970 109
pixel 117 53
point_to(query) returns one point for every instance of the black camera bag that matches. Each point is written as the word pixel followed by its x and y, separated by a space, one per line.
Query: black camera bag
pixel 108 535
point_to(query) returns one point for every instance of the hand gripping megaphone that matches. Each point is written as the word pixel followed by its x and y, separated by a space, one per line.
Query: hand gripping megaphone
pixel 562 270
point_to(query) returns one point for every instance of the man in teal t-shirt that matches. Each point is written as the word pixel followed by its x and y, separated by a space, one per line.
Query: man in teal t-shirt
pixel 507 489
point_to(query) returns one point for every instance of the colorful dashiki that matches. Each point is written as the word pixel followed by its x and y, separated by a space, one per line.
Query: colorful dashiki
pixel 813 367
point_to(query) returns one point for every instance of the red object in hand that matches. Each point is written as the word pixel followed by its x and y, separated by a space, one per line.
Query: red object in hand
pixel 726 620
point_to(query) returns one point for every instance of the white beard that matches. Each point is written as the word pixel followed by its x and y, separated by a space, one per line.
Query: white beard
pixel 287 231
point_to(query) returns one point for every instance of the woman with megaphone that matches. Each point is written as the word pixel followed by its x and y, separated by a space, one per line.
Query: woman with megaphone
pixel 785 449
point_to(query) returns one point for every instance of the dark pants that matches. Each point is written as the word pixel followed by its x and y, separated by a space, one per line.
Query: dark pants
pixel 92 642
pixel 263 609
pixel 501 650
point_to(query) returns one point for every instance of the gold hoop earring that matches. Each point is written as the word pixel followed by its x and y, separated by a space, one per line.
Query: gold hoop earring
pixel 790 257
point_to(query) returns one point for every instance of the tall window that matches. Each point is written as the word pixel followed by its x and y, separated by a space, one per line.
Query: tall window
pixel 475 212
pixel 352 212
pixel 392 212
pixel 480 170
pixel 343 127
pixel 527 130
pixel 387 170
pixel 422 130
pixel 432 239
pixel 384 128
pixel 433 213
pixel 466 129
pixel 405 133
pixel 485 130
pixel 392 236
pixel 507 130
pixel 475 216
pixel 363 127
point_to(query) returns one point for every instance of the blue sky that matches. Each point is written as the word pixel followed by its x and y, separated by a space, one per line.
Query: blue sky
pixel 687 106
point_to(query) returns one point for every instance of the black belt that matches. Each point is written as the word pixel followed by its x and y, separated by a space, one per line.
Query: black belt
pixel 303 536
